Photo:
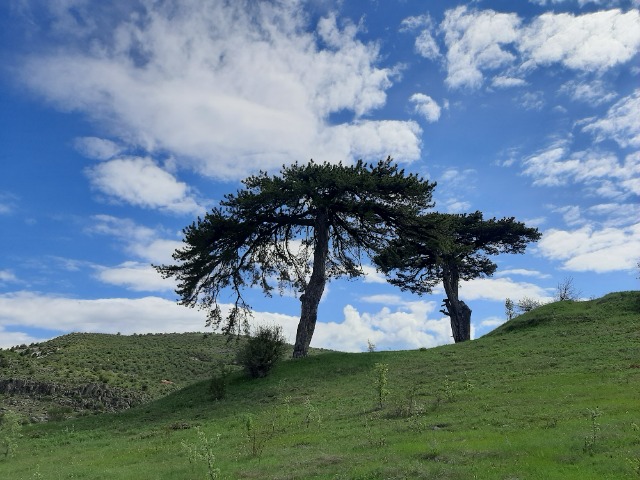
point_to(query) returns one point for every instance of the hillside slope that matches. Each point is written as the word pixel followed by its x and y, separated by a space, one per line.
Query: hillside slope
pixel 552 394
pixel 105 372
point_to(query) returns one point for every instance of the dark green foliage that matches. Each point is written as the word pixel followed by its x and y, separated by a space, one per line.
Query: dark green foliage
pixel 448 248
pixel 262 351
pixel 458 245
pixel 296 230
pixel 218 385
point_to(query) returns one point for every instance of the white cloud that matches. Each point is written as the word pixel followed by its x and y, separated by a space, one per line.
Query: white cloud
pixel 143 242
pixel 408 326
pixel 378 138
pixel 502 81
pixel 425 43
pixel 426 106
pixel 591 42
pixel 581 3
pixel 592 92
pixel 140 182
pixel 371 275
pixel 482 40
pixel 614 214
pixel 601 171
pixel 107 315
pixel 97 148
pixel 522 271
pixel 492 322
pixel 532 100
pixel 590 249
pixel 228 87
pixel 7 203
pixel 7 276
pixel 456 206
pixel 385 299
pixel 622 122
pixel 138 277
pixel 498 289
pixel 10 338
pixel 476 41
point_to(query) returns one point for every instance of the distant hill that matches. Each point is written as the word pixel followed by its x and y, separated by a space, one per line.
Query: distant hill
pixel 93 372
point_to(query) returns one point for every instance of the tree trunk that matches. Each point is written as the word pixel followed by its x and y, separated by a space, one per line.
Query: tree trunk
pixel 310 299
pixel 456 309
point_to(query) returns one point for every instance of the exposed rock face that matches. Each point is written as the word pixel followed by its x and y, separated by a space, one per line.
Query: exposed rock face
pixel 89 396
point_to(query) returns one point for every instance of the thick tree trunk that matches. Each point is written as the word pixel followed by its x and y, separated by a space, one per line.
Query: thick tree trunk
pixel 456 309
pixel 310 299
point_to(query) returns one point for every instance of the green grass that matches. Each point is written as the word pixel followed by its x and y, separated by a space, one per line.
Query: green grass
pixel 514 404
pixel 143 367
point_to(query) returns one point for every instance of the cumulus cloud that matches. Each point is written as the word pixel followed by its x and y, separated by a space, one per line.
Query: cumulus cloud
pixel 140 182
pixel 379 138
pixel 228 87
pixel 476 41
pixel 426 106
pixel 479 41
pixel 591 249
pixel 425 42
pixel 591 42
pixel 621 123
pixel 409 325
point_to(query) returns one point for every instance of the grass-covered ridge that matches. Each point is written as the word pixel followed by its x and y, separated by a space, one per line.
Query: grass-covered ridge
pixel 552 394
pixel 142 367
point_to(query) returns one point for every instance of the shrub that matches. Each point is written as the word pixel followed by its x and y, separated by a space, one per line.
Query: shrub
pixel 9 433
pixel 527 304
pixel 262 351
pixel 218 385
pixel 380 371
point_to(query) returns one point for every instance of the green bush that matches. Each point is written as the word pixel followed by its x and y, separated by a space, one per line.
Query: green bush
pixel 218 385
pixel 9 432
pixel 262 351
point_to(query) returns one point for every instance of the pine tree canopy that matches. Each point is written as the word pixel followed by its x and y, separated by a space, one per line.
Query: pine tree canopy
pixel 279 231
pixel 442 243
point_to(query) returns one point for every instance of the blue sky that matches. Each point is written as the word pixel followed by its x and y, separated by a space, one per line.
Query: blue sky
pixel 122 121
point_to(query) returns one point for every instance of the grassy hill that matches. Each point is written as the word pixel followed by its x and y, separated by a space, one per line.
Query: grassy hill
pixel 552 394
pixel 138 367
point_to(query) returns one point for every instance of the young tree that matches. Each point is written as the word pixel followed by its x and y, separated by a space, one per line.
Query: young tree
pixel 450 248
pixel 566 290
pixel 509 309
pixel 298 229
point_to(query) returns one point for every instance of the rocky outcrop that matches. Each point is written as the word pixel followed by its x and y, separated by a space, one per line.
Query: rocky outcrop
pixel 94 396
